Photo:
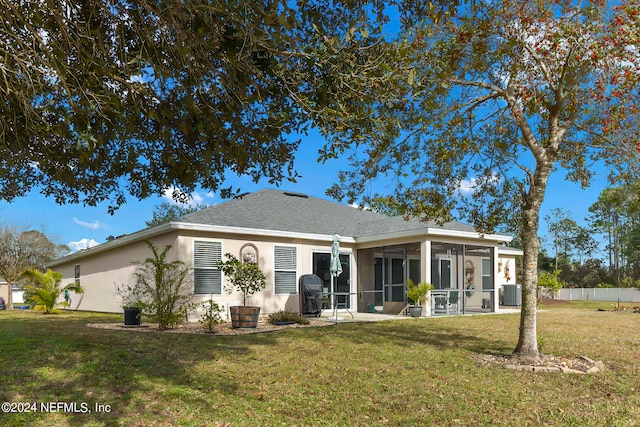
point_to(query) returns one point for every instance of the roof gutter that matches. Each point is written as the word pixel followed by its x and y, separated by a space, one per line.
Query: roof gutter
pixel 172 226
pixel 433 232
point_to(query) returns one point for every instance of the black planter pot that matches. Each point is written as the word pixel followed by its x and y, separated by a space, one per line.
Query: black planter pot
pixel 132 317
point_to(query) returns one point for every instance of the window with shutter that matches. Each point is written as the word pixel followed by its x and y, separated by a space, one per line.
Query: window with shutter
pixel 285 270
pixel 207 277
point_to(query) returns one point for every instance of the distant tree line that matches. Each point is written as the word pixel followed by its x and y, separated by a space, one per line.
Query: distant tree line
pixel 614 220
pixel 22 249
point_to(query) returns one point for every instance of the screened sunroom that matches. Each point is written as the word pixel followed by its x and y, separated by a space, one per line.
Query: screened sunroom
pixel 462 276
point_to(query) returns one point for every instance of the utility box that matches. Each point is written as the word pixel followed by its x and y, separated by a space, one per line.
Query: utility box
pixel 512 295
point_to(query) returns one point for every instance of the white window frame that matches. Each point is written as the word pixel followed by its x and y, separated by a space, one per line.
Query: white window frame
pixel 76 274
pixel 213 267
pixel 488 274
pixel 288 269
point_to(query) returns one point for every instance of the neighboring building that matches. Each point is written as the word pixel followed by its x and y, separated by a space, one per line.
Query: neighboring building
pixel 290 234
pixel 4 290
pixel 16 297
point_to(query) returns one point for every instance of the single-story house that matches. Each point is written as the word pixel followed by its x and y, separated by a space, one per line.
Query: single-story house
pixel 16 296
pixel 289 235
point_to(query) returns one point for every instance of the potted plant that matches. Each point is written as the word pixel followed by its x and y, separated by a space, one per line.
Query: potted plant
pixel 248 279
pixel 131 305
pixel 418 293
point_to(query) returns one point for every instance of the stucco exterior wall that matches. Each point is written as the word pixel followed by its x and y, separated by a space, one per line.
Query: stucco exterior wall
pixel 100 273
pixel 102 269
pixel 506 270
pixel 4 290
pixel 267 299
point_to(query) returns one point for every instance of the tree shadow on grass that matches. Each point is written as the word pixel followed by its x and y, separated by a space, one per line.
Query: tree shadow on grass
pixel 178 377
pixel 57 358
pixel 421 332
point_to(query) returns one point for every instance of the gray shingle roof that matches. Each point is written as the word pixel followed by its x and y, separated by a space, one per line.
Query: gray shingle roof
pixel 295 212
pixel 284 211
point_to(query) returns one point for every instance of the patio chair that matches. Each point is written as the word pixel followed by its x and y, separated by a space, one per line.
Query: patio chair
pixel 454 299
pixel 440 304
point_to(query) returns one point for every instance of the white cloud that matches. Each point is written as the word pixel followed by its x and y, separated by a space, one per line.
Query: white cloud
pixel 91 225
pixel 357 206
pixel 82 244
pixel 468 186
pixel 195 198
pixel 137 79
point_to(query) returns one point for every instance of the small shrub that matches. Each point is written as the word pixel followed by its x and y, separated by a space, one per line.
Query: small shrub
pixel 44 289
pixel 541 341
pixel 210 318
pixel 418 293
pixel 550 281
pixel 629 282
pixel 163 289
pixel 241 277
pixel 287 316
pixel 604 285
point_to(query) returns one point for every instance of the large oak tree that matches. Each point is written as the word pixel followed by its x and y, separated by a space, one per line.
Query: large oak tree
pixel 107 98
pixel 492 100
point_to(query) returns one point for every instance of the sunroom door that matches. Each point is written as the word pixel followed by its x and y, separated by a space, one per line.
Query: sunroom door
pixel 342 284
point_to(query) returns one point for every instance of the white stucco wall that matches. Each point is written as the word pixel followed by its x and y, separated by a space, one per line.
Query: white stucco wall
pixel 267 299
pixel 100 273
pixel 102 268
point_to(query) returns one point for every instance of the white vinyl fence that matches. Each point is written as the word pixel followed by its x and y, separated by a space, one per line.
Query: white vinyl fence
pixel 600 294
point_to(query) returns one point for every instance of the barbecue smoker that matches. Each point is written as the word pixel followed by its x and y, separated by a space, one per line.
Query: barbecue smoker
pixel 311 288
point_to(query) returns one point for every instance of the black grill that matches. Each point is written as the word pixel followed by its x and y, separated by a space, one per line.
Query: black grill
pixel 311 287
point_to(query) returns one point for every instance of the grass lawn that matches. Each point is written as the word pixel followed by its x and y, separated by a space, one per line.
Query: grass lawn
pixel 398 373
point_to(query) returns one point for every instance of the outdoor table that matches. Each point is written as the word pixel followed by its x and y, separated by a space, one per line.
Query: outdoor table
pixel 335 302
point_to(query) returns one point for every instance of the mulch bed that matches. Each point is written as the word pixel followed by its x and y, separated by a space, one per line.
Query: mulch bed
pixel 546 363
pixel 196 328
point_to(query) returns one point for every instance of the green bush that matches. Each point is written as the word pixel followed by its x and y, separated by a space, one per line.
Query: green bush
pixel 163 288
pixel 629 282
pixel 242 277
pixel 210 318
pixel 287 316
pixel 605 285
pixel 418 293
pixel 550 281
pixel 44 289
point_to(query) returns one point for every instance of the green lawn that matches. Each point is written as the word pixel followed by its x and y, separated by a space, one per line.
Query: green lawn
pixel 402 373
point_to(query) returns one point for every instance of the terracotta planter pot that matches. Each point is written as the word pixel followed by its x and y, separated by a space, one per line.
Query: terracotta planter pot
pixel 244 317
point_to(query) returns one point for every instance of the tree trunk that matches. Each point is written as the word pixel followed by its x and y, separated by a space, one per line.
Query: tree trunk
pixel 528 339
pixel 610 247
pixel 9 302
pixel 616 250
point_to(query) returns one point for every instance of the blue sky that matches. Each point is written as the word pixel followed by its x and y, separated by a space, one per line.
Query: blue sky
pixel 79 226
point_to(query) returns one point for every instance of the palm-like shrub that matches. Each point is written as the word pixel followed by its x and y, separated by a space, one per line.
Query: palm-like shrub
pixel 163 289
pixel 44 289
pixel 418 293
